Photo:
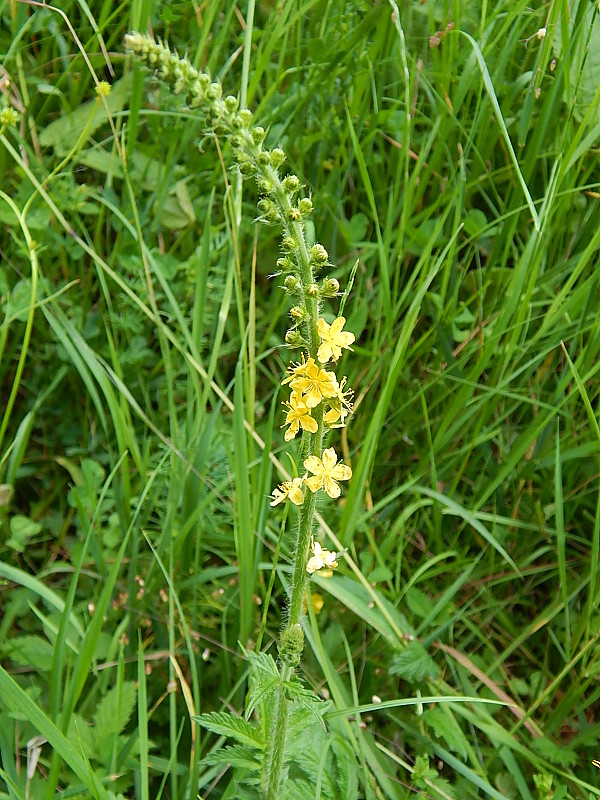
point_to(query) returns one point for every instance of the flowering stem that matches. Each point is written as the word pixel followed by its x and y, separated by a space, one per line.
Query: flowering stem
pixel 313 387
pixel 305 526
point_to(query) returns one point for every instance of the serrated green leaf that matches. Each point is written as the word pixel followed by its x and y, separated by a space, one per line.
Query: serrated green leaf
pixel 235 727
pixel 346 769
pixel 114 710
pixel 414 664
pixel 31 651
pixel 298 790
pixel 445 726
pixel 555 754
pixel 262 664
pixel 235 755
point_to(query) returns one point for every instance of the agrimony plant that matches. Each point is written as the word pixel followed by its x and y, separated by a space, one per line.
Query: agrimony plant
pixel 318 401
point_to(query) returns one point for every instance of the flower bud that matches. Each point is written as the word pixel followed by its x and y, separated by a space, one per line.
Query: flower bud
pixel 318 255
pixel 293 338
pixel 284 264
pixel 293 215
pixel 291 645
pixel 231 103
pixel 214 91
pixel 265 205
pixel 264 184
pixel 305 206
pixel 291 283
pixel 263 159
pixel 330 287
pixel 288 244
pixel 277 157
pixel 258 135
pixel 291 183
pixel 246 117
pixel 312 290
pixel 297 313
pixel 246 168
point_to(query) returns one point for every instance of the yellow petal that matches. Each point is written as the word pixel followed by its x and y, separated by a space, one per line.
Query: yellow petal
pixel 345 339
pixel 314 483
pixel 324 353
pixel 337 325
pixel 296 496
pixel 317 602
pixel 331 487
pixel 313 564
pixel 292 431
pixel 308 423
pixel 341 472
pixel 331 416
pixel 322 328
pixel 313 464
pixel 313 397
pixel 329 459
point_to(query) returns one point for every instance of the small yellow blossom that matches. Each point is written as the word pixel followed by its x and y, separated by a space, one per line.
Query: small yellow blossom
pixel 326 473
pixel 333 338
pixel 321 558
pixel 317 602
pixel 312 382
pixel 288 489
pixel 298 416
pixel 339 405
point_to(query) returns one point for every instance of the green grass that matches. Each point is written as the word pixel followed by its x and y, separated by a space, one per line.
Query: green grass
pixel 140 364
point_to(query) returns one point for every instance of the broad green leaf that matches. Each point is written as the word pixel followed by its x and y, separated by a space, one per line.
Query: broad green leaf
pixel 414 664
pixel 114 710
pixel 235 727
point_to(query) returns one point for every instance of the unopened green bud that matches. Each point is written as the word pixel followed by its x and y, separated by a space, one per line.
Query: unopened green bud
pixel 284 264
pixel 214 91
pixel 297 313
pixel 291 645
pixel 246 168
pixel 291 283
pixel 291 183
pixel 258 134
pixel 264 184
pixel 293 338
pixel 305 206
pixel 293 215
pixel 330 287
pixel 318 254
pixel 312 290
pixel 265 205
pixel 288 244
pixel 231 103
pixel 246 117
pixel 263 159
pixel 277 157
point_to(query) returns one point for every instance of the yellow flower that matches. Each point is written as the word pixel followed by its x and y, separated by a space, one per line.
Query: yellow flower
pixel 333 339
pixel 298 416
pixel 321 558
pixel 317 602
pixel 288 489
pixel 312 382
pixel 339 405
pixel 326 473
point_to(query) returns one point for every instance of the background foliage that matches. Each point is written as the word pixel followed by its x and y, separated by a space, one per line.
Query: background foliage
pixel 454 155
